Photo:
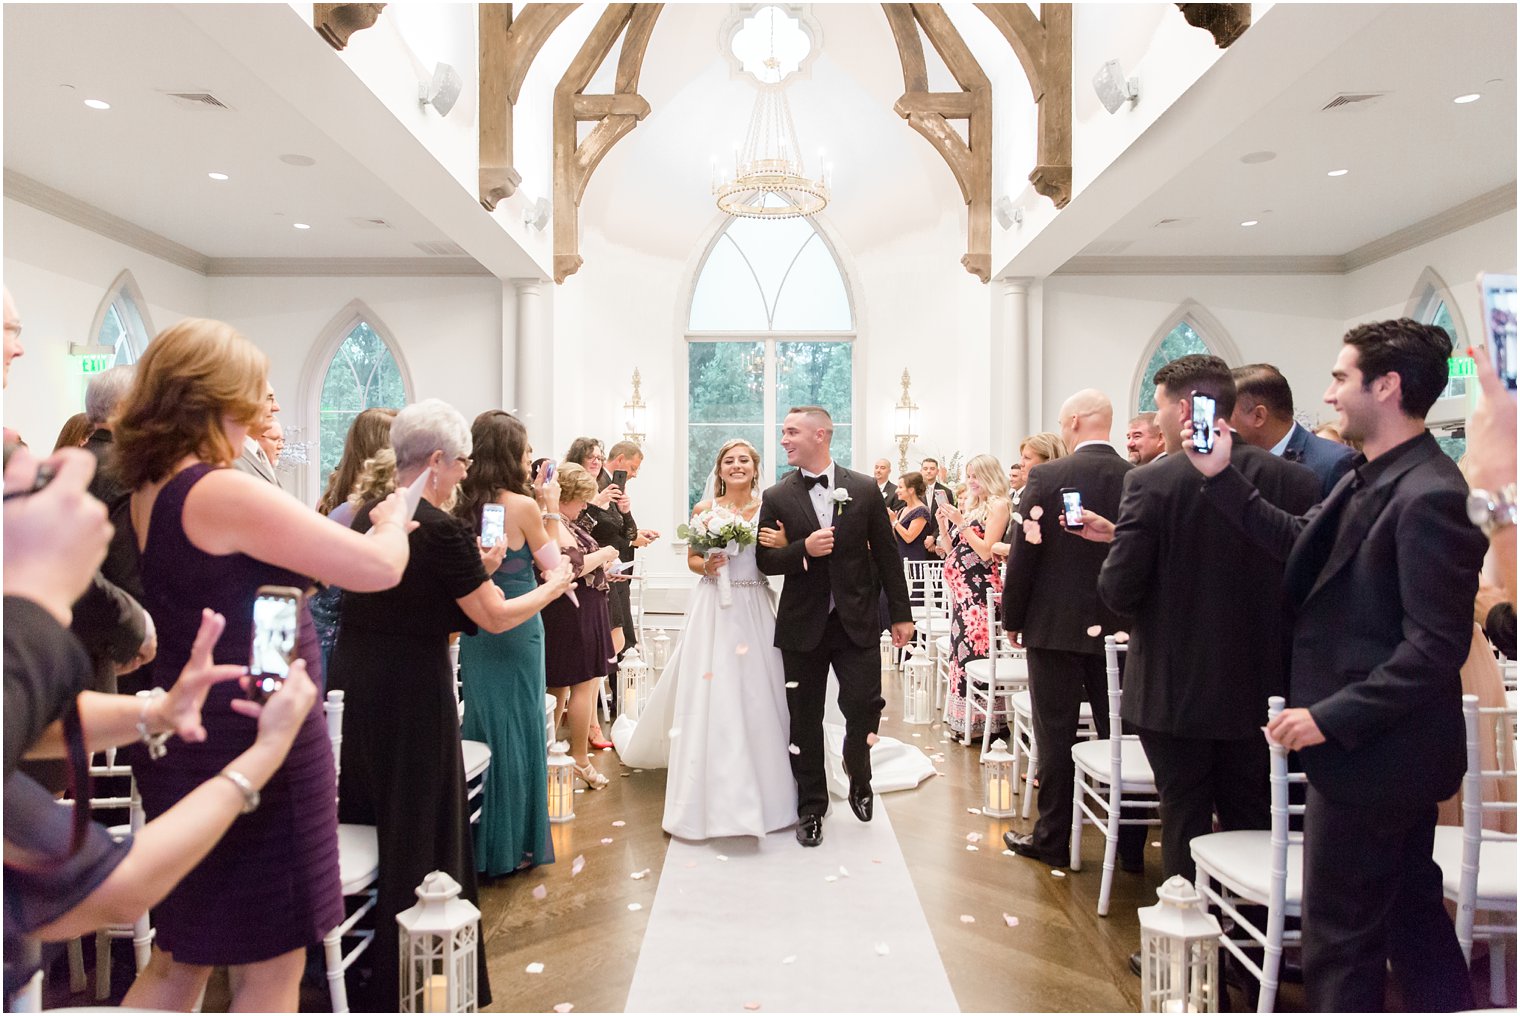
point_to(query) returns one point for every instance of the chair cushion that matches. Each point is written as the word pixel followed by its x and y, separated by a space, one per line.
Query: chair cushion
pixel 1496 868
pixel 477 758
pixel 358 857
pixel 1010 671
pixel 1242 860
pixel 1092 757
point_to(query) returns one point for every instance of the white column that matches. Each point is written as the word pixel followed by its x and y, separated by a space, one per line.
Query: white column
pixel 509 346
pixel 535 362
pixel 1034 350
pixel 1012 384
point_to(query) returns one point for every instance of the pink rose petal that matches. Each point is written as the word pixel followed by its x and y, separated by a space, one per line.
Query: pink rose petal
pixel 843 871
pixel 1095 630
pixel 620 823
pixel 741 649
pixel 707 676
pixel 640 874
pixel 751 1006
pixel 1036 512
pixel 577 865
pixel 972 846
pixel 967 919
pixel 1121 637
pixel 1058 873
pixel 606 840
pixel 973 811
pixel 540 892
pixel 973 837
pixel 535 968
pixel 792 748
pixel 791 684
pixel 635 906
pixel 1010 920
pixel 872 739
pixel 1032 532
pixel 564 1006
pixel 882 949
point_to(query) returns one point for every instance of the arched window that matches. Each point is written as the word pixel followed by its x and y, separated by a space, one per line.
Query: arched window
pixel 121 323
pixel 1432 303
pixel 1190 329
pixel 771 326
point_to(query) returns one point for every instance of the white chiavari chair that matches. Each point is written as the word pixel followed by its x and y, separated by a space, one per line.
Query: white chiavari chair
pixel 992 682
pixel 1022 741
pixel 358 869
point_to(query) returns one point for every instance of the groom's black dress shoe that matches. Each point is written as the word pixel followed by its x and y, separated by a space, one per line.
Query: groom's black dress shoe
pixel 810 830
pixel 1023 845
pixel 862 802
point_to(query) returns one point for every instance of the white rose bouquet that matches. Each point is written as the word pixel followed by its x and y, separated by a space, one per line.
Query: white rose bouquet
pixel 719 531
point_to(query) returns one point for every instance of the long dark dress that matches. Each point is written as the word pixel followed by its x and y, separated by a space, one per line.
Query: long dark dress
pixel 578 640
pixel 402 767
pixel 271 884
pixel 906 551
pixel 503 678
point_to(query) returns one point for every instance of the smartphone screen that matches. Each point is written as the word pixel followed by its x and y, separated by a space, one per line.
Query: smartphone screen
pixel 276 622
pixel 549 471
pixel 620 479
pixel 1203 423
pixel 1071 507
pixel 493 524
pixel 1499 323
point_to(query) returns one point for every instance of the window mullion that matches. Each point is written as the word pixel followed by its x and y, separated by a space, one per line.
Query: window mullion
pixel 771 422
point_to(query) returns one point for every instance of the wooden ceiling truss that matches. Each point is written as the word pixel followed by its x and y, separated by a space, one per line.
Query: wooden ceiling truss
pixel 507 48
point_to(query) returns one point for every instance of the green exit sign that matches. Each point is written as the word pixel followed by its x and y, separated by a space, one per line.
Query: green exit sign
pixel 95 364
pixel 1461 366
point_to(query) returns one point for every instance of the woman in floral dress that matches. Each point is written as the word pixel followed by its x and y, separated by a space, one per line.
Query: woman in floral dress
pixel 970 571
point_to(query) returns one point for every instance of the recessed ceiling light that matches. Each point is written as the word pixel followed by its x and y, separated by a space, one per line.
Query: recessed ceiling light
pixel 300 225
pixel 1338 172
pixel 1250 222
pixel 1463 100
pixel 217 176
pixel 102 104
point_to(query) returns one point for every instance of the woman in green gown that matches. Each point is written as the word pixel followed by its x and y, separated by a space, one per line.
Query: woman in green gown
pixel 503 675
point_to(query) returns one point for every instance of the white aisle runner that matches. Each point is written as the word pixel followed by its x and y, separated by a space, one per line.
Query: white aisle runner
pixel 835 928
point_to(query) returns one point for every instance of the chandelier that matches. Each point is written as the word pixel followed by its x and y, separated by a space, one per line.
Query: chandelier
pixel 769 180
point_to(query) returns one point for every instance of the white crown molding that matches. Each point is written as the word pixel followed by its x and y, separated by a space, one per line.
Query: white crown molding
pixel 56 203
pixel 346 267
pixel 1468 213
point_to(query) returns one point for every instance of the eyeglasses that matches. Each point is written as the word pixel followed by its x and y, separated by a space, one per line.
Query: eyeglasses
pixel 468 462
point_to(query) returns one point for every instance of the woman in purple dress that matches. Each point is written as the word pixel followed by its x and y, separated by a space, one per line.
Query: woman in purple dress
pixel 210 537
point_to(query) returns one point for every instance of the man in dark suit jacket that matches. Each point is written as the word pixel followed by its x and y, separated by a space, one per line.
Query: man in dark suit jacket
pixel 882 470
pixel 1264 417
pixel 936 493
pixel 1209 640
pixel 839 558
pixel 1382 576
pixel 1050 593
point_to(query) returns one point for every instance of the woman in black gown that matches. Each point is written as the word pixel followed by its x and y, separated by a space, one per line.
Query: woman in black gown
pixel 402 767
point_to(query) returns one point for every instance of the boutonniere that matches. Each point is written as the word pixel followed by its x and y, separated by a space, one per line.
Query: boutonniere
pixel 840 497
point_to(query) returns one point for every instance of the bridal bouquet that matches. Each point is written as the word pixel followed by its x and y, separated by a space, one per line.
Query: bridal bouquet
pixel 718 531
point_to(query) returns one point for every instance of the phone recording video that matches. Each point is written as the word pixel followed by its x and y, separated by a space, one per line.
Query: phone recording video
pixel 1203 423
pixel 276 622
pixel 620 479
pixel 1499 323
pixel 493 524
pixel 1071 507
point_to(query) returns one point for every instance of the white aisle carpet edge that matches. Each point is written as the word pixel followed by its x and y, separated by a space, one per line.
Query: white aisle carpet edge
pixel 837 928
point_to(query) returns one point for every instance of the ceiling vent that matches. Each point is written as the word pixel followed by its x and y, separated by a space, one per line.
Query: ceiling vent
pixel 1174 223
pixel 199 99
pixel 440 248
pixel 1107 248
pixel 371 223
pixel 1346 99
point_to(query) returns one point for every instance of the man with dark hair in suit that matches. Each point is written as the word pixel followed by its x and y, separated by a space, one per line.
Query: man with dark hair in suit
pixel 1381 576
pixel 935 493
pixel 1050 593
pixel 1196 691
pixel 1264 417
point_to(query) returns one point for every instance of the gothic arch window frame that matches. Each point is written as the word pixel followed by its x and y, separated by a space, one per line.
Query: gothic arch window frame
pixel 1430 293
pixel 314 374
pixel 1216 338
pixel 685 335
pixel 126 298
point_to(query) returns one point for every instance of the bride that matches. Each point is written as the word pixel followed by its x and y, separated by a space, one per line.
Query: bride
pixel 717 718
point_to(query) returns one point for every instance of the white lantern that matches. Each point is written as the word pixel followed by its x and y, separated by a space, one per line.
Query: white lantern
pixel 633 684
pixel 561 783
pixel 439 939
pixel 888 654
pixel 997 781
pixel 659 649
pixel 1179 952
pixel 918 689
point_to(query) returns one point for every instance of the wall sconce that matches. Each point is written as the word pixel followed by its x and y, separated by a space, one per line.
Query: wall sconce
pixel 1113 88
pixel 634 412
pixel 907 422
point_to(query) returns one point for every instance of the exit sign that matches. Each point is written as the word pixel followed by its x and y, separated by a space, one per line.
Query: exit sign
pixel 1461 366
pixel 95 364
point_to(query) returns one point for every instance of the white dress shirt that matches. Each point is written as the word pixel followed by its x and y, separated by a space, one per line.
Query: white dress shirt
pixel 1282 445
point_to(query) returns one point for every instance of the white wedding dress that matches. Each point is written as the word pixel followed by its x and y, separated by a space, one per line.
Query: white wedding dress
pixel 717 720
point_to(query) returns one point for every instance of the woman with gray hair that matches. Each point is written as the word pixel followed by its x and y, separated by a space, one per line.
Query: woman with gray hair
pixel 402 770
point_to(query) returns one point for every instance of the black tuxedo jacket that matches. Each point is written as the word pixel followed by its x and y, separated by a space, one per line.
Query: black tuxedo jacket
pixel 1328 460
pixel 1209 639
pixel 1382 582
pixel 1050 588
pixel 940 493
pixel 863 564
pixel 889 495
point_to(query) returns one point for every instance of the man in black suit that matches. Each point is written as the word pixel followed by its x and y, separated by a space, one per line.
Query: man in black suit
pixel 840 557
pixel 1050 593
pixel 883 472
pixel 1381 576
pixel 937 493
pixel 1209 640
pixel 1264 417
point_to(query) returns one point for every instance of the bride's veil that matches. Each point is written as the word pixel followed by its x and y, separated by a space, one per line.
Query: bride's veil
pixel 710 489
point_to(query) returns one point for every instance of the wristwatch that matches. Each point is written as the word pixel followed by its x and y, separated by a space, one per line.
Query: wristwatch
pixel 1490 511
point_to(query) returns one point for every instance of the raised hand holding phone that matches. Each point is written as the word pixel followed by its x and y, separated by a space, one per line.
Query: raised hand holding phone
pixel 1210 463
pixel 276 623
pixel 493 524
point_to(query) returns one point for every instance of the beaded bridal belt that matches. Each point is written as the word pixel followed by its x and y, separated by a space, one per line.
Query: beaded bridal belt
pixel 737 582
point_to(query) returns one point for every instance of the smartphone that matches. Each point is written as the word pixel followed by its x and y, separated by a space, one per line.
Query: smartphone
pixel 493 524
pixel 1071 507
pixel 414 494
pixel 1499 323
pixel 620 567
pixel 549 471
pixel 276 623
pixel 1203 423
pixel 620 479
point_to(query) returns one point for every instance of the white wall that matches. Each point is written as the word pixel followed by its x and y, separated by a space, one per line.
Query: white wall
pixel 59 274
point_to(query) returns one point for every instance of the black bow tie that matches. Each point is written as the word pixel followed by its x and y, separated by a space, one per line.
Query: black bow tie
pixel 809 482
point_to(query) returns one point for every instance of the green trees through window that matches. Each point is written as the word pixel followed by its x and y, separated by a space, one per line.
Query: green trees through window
pixel 1180 341
pixel 363 374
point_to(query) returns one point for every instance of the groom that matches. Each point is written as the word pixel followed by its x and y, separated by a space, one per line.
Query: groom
pixel 840 556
